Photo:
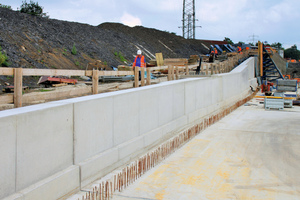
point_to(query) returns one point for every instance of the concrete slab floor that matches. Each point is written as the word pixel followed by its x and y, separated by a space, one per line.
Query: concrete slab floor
pixel 250 154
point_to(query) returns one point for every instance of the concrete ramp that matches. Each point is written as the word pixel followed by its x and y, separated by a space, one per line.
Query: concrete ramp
pixel 249 154
pixel 280 62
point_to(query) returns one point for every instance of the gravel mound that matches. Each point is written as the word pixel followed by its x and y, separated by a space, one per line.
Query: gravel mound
pixel 36 42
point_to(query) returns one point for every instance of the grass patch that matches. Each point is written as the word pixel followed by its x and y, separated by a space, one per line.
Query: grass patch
pixel 3 59
pixel 45 90
pixel 120 56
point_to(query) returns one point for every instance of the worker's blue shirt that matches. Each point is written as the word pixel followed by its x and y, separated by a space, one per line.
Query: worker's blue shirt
pixel 138 61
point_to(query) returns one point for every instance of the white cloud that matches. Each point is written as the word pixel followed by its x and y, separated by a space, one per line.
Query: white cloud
pixel 130 20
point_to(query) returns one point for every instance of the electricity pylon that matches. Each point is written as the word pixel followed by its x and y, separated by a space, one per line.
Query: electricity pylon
pixel 188 19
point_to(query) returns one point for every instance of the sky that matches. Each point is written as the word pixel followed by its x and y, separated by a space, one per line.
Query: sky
pixel 240 20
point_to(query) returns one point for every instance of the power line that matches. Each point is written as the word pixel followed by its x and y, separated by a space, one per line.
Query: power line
pixel 253 38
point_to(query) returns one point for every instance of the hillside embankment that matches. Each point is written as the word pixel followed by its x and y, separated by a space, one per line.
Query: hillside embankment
pixel 36 42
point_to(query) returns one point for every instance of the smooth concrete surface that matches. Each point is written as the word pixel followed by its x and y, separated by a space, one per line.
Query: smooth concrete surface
pixel 250 154
pixel 46 139
pixel 8 153
pixel 44 144
pixel 93 127
pixel 59 185
pixel 96 166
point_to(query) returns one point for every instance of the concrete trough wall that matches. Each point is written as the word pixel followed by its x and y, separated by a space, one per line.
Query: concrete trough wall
pixel 54 149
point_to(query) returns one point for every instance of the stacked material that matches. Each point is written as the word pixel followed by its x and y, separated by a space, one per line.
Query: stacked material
pixel 176 61
pixel 193 59
pixel 286 85
pixel 124 68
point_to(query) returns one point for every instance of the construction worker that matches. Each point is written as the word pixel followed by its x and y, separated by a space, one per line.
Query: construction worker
pixel 199 66
pixel 216 51
pixel 239 49
pixel 139 61
pixel 211 56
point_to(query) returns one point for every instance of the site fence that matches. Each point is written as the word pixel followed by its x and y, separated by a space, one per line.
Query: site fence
pixel 173 73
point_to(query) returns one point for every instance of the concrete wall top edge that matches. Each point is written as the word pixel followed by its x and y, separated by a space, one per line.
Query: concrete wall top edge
pixel 32 108
pixel 242 66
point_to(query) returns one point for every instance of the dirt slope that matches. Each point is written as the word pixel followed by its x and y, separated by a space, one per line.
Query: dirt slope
pixel 35 42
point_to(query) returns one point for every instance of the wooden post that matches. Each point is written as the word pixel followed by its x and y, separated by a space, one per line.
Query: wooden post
pixel 260 57
pixel 142 76
pixel 223 67
pixel 206 69
pixel 18 87
pixel 211 69
pixel 227 66
pixel 187 70
pixel 173 73
pixel 169 73
pixel 177 73
pixel 136 77
pixel 95 81
pixel 148 81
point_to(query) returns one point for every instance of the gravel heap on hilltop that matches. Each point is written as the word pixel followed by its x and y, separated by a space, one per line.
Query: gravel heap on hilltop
pixel 36 42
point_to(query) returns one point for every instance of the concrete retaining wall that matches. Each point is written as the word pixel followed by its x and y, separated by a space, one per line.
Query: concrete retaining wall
pixel 53 149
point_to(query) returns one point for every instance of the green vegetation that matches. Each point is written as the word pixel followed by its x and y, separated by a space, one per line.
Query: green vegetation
pixel 228 40
pixel 45 90
pixel 64 52
pixel 3 59
pixel 82 67
pixel 77 63
pixel 5 6
pixel 74 50
pixel 32 8
pixel 292 53
pixel 120 56
pixel 277 45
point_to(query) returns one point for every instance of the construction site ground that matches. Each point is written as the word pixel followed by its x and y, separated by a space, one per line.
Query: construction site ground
pixel 252 153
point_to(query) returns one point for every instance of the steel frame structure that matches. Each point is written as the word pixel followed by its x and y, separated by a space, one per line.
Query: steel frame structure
pixel 188 19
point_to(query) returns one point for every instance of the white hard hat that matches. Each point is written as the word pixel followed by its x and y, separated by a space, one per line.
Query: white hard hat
pixel 139 52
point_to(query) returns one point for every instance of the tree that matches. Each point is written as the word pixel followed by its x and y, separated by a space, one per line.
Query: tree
pixel 74 50
pixel 292 53
pixel 228 40
pixel 32 8
pixel 5 6
pixel 277 45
